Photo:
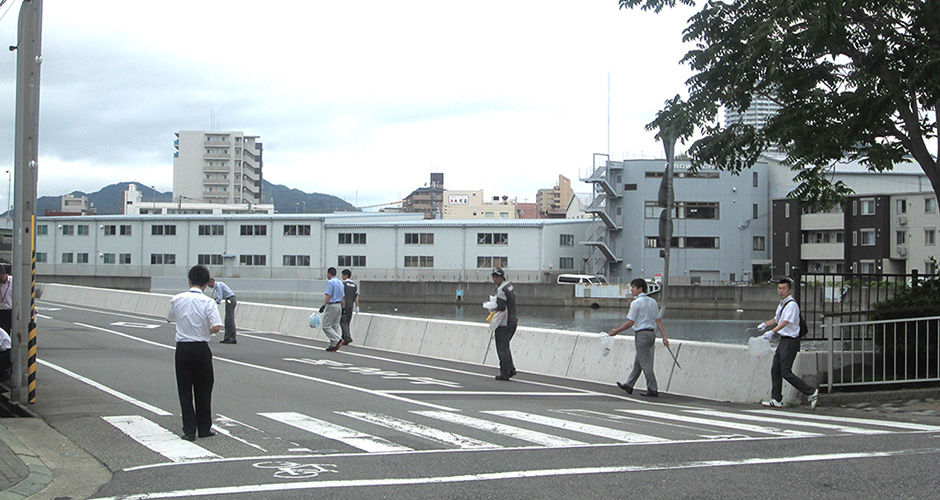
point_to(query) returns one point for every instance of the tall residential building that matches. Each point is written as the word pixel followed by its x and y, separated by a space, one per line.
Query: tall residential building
pixel 553 203
pixel 217 167
pixel 761 110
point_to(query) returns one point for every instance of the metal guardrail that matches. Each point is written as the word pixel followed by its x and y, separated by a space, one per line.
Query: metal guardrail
pixel 889 351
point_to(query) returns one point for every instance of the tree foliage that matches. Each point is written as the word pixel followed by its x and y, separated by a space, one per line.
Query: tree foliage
pixel 856 80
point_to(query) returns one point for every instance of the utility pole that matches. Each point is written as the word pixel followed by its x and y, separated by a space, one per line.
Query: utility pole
pixel 26 167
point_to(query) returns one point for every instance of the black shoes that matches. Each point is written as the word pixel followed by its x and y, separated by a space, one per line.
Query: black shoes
pixel 501 377
pixel 336 347
pixel 189 437
pixel 512 374
pixel 650 394
pixel 207 434
pixel 625 387
pixel 347 341
pixel 228 342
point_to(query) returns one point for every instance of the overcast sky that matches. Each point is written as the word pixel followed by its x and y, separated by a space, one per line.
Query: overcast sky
pixel 362 100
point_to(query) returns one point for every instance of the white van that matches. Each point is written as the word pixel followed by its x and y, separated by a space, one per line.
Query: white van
pixel 580 279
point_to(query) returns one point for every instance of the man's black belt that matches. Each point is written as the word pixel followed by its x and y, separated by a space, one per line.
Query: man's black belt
pixel 644 330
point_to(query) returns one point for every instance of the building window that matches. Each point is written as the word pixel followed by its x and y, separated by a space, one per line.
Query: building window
pixel 211 230
pixel 484 262
pixel 759 243
pixel 352 261
pixel 855 238
pixel 83 229
pixel 930 267
pixel 901 237
pixel 786 212
pixel 619 211
pixel 253 260
pixel 68 230
pixel 492 238
pixel 352 238
pixel 125 229
pixel 419 261
pixel 754 215
pixel 168 259
pixel 124 258
pixel 755 179
pixel 902 206
pixel 42 257
pixel 206 259
pixel 566 263
pixel 110 230
pixel 867 237
pixel 566 240
pixel 42 230
pixel 81 258
pixel 108 258
pixel 163 230
pixel 867 205
pixel 699 242
pixel 629 187
pixel 68 258
pixel 930 237
pixel 930 205
pixel 419 238
pixel 297 261
pixel 685 210
pixel 297 230
pixel 786 238
pixel 254 230
pixel 867 267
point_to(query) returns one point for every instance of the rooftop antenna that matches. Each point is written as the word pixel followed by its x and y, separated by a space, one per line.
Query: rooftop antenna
pixel 608 113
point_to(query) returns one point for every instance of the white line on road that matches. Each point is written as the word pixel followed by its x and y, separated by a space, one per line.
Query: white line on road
pixel 594 430
pixel 419 430
pixel 507 430
pixel 104 388
pixel 492 393
pixel 356 439
pixel 521 474
pixel 159 439
pixel 788 421
pixel 655 415
pixel 863 421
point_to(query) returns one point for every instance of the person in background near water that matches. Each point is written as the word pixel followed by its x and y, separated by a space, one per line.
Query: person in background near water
pixel 505 301
pixel 786 322
pixel 644 317
pixel 196 317
pixel 221 292
pixel 332 309
pixel 350 304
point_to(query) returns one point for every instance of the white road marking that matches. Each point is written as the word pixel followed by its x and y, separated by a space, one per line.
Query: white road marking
pixel 104 388
pixel 222 423
pixel 419 430
pixel 788 421
pixel 594 430
pixel 491 393
pixel 129 324
pixel 863 421
pixel 720 423
pixel 521 474
pixel 356 439
pixel 160 440
pixel 498 428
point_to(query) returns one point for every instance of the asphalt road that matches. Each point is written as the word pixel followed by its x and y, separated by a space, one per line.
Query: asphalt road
pixel 294 421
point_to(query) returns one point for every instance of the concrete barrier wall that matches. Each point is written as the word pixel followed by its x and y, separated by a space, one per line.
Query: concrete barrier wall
pixel 712 371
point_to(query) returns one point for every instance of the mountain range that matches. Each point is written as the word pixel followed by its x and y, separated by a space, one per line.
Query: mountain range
pixel 109 199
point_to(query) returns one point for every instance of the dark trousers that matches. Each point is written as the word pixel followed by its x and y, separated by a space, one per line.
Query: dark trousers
pixel 344 324
pixel 643 363
pixel 6 320
pixel 503 336
pixel 230 319
pixel 782 369
pixel 194 379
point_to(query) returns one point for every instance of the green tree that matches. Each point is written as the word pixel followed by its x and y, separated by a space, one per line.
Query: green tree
pixel 857 80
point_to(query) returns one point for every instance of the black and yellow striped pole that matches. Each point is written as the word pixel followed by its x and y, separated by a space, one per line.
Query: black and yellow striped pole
pixel 31 360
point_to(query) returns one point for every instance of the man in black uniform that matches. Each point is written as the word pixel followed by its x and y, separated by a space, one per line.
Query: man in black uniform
pixel 350 304
pixel 505 301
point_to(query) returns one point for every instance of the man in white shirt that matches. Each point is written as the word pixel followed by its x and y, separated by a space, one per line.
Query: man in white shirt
pixel 196 317
pixel 644 317
pixel 221 292
pixel 786 323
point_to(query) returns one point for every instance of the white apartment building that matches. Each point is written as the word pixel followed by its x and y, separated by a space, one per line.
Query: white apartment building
pixel 462 205
pixel 300 247
pixel 217 167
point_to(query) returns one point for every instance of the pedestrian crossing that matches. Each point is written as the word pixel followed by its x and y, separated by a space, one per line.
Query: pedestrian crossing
pixel 352 432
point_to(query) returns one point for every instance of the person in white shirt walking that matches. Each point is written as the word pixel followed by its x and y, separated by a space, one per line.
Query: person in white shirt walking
pixel 196 317
pixel 644 317
pixel 786 323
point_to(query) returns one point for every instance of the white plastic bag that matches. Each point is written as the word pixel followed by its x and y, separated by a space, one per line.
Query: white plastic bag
pixel 490 304
pixel 758 347
pixel 607 343
pixel 497 318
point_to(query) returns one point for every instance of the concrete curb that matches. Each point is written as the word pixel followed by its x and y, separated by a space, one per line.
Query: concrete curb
pixel 39 475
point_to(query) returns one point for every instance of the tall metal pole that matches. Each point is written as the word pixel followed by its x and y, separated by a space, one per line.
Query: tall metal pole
pixel 26 166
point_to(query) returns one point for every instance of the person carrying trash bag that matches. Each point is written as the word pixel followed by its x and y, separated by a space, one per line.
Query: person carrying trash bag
pixel 503 317
pixel 786 323
pixel 644 317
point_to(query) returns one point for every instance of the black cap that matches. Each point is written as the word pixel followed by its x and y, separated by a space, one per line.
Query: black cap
pixel 499 272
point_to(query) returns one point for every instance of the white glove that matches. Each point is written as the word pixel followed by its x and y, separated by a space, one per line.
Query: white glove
pixel 761 327
pixel 769 335
pixel 356 309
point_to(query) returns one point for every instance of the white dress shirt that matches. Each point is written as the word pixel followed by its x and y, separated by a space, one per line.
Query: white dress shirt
pixel 194 314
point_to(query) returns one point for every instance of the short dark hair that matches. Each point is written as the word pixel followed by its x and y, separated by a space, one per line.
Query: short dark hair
pixel 784 279
pixel 347 273
pixel 199 275
pixel 639 283
pixel 331 271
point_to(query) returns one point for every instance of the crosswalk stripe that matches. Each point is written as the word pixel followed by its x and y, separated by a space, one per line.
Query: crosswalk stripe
pixel 594 430
pixel 424 431
pixel 160 440
pixel 720 423
pixel 356 439
pixel 864 421
pixel 498 428
pixel 796 420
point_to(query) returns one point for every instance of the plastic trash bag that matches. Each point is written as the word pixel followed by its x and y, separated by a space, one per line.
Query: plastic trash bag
pixel 607 343
pixel 490 304
pixel 315 320
pixel 497 319
pixel 758 347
